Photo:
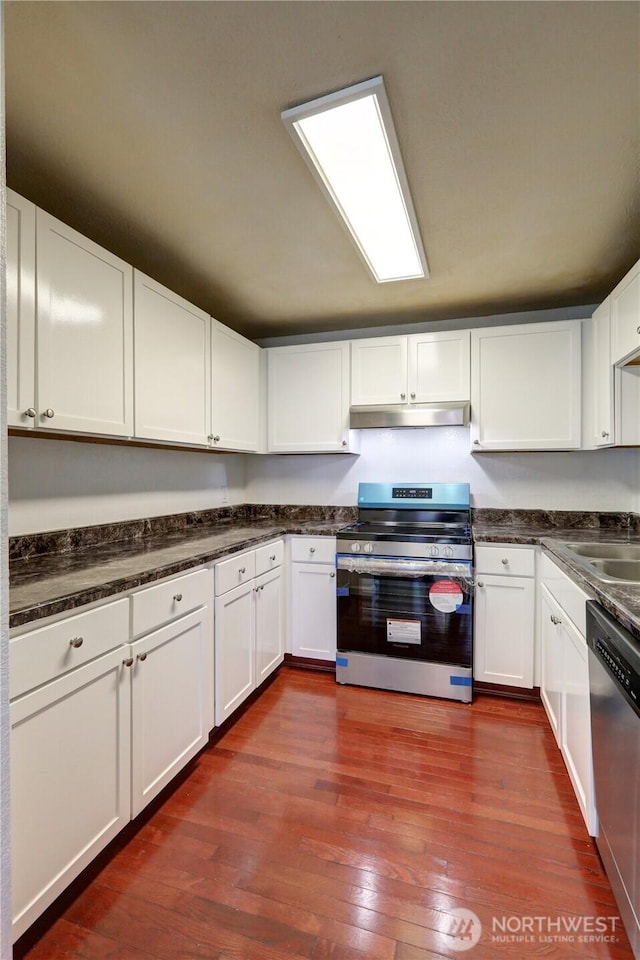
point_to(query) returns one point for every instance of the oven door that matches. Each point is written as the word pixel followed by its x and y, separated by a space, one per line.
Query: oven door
pixel 409 609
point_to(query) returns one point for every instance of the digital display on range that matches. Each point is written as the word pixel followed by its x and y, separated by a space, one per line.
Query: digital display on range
pixel 412 493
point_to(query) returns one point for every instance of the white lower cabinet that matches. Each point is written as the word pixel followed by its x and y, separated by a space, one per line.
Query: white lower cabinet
pixel 170 684
pixel 249 625
pixel 99 725
pixel 313 598
pixel 504 639
pixel 564 685
pixel 70 753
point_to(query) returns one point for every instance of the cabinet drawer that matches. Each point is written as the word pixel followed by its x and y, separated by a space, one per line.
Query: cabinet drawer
pixel 313 549
pixel 46 653
pixel 565 592
pixel 158 605
pixel 234 571
pixel 505 560
pixel 269 556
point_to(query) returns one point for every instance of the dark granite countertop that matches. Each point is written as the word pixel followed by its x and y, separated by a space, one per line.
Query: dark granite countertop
pixel 45 584
pixel 621 600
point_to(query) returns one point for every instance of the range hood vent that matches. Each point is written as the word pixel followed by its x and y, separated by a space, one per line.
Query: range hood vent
pixel 450 414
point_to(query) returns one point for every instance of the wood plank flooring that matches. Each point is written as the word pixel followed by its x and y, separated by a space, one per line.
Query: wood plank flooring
pixel 338 823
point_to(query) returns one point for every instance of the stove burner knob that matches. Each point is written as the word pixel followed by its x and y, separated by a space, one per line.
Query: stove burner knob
pixel 368 548
pixel 433 551
pixel 448 551
pixel 355 548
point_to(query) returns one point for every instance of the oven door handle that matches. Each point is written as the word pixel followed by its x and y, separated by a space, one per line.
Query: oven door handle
pixel 396 567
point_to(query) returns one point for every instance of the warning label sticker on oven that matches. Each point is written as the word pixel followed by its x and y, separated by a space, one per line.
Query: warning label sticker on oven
pixel 446 596
pixel 403 631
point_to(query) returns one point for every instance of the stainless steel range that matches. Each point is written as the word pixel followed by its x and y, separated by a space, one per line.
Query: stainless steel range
pixel 405 590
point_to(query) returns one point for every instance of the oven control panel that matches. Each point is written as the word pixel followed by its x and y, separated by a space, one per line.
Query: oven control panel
pixel 412 493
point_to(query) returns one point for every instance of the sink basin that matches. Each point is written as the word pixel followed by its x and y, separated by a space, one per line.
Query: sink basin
pixel 610 562
pixel 618 569
pixel 606 551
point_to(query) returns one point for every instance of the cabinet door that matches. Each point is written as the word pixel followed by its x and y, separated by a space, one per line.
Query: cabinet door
pixel 504 630
pixel 576 726
pixel 21 310
pixel 313 610
pixel 308 407
pixel 525 387
pixel 439 367
pixel 84 335
pixel 70 753
pixel 602 376
pixel 379 371
pixel 235 390
pixel 625 316
pixel 172 366
pixel 269 624
pixel 552 661
pixel 170 682
pixel 235 649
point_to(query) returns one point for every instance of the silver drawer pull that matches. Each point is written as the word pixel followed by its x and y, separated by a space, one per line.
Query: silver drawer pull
pixel 272 557
pixel 177 597
pixel 142 656
pixel 555 620
pixel 128 662
pixel 480 583
pixel 242 570
pixel 76 642
pixel 312 549
pixel 332 575
pixel 505 561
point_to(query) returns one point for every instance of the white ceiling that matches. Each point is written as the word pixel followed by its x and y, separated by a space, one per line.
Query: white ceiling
pixel 154 128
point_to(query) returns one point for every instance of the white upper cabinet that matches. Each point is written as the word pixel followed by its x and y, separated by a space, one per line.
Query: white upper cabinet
pixel 598 428
pixel 525 387
pixel 379 371
pixel 308 399
pixel 84 333
pixel 439 367
pixel 422 368
pixel 172 366
pixel 625 316
pixel 21 311
pixel 235 390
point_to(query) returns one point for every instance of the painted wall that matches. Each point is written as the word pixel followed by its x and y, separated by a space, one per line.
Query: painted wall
pixel 55 484
pixel 598 480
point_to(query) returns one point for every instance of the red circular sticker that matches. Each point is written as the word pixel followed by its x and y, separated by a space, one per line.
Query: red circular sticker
pixel 446 596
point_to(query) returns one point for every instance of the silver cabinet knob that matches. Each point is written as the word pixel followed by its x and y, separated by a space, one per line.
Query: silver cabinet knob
pixel 477 442
pixel 272 557
pixel 242 570
pixel 344 443
pixel 49 413
pixel 128 662
pixel 312 549
pixel 177 597
pixel 413 396
pixel 403 396
pixel 555 620
pixel 505 561
pixel 31 412
pixel 638 330
pixel 605 433
pixel 142 656
pixel 209 437
pixel 479 584
pixel 332 575
pixel 262 586
pixel 216 439
pixel 76 642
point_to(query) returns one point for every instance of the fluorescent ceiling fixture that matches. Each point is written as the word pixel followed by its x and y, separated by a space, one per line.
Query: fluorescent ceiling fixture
pixel 350 143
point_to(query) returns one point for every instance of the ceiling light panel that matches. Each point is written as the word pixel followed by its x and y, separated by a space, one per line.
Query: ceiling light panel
pixel 348 140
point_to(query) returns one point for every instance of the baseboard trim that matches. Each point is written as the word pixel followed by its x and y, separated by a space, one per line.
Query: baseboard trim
pixel 308 663
pixel 504 690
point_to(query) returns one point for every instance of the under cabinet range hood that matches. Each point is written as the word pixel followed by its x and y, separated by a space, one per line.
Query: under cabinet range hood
pixel 449 414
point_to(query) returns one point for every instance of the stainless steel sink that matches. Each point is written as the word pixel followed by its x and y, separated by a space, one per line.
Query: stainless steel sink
pixel 606 551
pixel 619 569
pixel 610 562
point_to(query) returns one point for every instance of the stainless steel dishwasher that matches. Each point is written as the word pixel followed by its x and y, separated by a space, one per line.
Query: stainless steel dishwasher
pixel 614 683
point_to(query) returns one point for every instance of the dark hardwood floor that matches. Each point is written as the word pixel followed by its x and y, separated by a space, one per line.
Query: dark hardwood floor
pixel 338 823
